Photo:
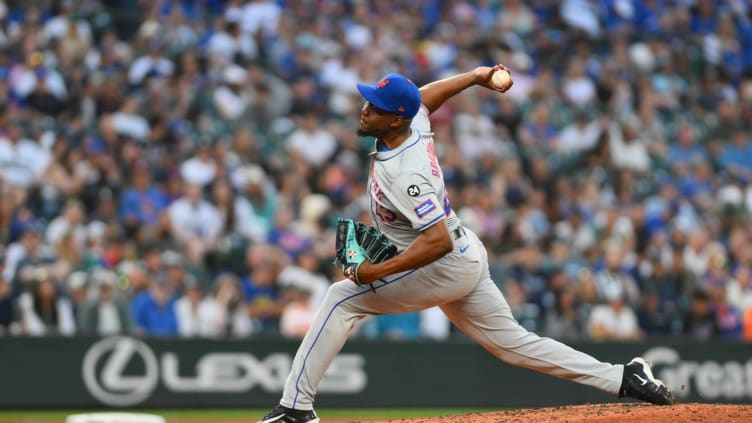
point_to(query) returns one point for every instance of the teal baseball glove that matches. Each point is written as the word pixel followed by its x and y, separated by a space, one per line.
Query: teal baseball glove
pixel 356 243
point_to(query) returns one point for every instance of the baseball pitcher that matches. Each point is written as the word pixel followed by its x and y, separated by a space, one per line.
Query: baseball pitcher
pixel 419 255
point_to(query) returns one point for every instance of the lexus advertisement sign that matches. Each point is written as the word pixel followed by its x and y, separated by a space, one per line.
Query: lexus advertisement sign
pixel 105 364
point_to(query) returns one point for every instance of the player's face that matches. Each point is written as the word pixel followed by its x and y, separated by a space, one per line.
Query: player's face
pixel 374 121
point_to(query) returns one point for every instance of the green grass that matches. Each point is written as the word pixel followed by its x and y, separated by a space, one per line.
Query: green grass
pixel 245 414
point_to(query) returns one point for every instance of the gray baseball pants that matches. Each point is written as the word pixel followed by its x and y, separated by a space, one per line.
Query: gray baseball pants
pixel 461 285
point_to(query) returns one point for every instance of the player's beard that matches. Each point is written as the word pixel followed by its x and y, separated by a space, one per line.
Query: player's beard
pixel 370 131
pixel 364 132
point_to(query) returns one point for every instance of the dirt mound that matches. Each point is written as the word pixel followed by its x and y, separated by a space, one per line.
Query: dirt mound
pixel 605 413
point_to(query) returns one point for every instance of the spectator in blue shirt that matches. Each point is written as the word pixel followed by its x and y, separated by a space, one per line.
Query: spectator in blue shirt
pixel 142 203
pixel 685 150
pixel 736 157
pixel 154 310
pixel 260 289
pixel 704 18
pixel 728 319
pixel 699 186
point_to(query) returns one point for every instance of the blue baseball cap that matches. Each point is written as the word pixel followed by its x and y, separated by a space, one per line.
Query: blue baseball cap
pixel 393 93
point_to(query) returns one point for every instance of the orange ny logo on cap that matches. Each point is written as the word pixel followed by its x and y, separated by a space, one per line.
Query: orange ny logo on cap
pixel 382 83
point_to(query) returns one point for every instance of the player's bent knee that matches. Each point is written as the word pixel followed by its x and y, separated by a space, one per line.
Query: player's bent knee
pixel 339 290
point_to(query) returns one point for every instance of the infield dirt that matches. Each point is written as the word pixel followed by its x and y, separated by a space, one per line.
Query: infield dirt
pixel 591 413
pixel 604 413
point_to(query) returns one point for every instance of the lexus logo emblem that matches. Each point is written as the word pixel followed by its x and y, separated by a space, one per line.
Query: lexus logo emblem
pixel 104 367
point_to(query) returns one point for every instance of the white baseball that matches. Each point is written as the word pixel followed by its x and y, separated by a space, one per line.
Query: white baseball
pixel 500 78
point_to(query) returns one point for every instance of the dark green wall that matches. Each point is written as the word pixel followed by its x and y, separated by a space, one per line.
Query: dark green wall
pixel 52 372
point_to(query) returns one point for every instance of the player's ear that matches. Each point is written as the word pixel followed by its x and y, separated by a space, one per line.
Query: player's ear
pixel 399 121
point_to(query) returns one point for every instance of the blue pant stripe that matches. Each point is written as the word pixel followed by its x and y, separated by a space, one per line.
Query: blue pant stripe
pixel 297 381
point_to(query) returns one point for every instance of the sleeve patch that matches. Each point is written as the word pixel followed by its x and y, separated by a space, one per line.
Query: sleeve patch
pixel 425 207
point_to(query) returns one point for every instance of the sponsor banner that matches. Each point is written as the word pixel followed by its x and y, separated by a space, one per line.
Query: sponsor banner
pixel 106 378
pixel 722 378
pixel 123 372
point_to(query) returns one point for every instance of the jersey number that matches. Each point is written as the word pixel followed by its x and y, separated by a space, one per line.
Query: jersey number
pixel 432 157
pixel 447 206
pixel 385 214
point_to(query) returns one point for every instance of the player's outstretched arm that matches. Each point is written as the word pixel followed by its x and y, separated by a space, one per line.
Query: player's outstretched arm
pixel 436 93
pixel 432 244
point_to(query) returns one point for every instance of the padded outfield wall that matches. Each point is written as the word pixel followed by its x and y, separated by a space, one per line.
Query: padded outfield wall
pixel 125 372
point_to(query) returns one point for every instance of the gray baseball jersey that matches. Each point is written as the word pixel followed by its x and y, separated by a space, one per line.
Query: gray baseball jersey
pixel 407 196
pixel 406 186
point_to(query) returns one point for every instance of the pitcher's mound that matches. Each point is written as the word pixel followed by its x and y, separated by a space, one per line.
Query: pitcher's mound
pixel 608 413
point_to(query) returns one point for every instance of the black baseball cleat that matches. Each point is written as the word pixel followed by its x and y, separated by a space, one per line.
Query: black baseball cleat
pixel 638 382
pixel 281 414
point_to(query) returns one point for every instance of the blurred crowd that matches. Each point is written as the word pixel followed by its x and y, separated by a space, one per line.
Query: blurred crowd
pixel 175 168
